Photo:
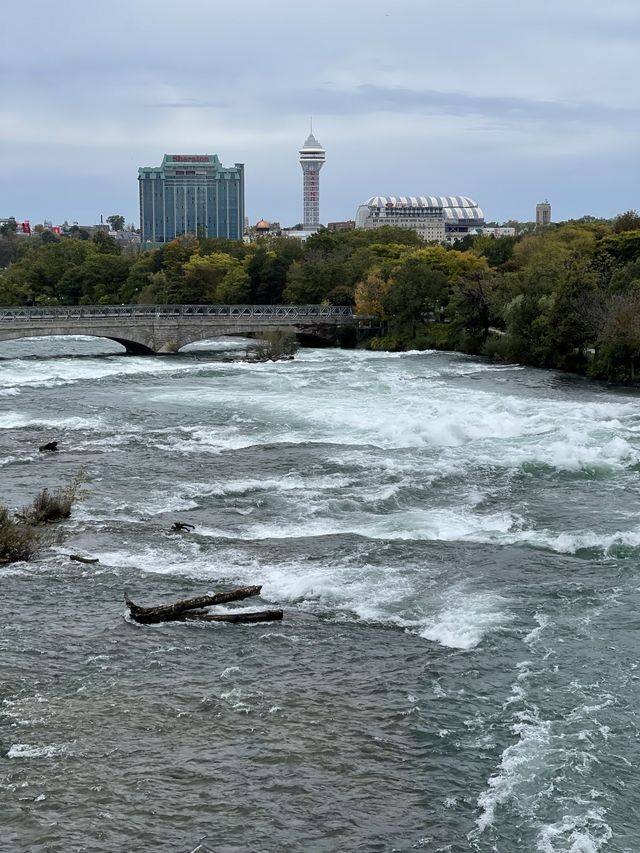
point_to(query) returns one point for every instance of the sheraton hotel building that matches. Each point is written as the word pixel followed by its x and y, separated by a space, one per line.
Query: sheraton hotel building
pixel 191 194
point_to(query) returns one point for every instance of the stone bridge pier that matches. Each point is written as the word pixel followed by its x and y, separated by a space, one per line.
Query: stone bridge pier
pixel 145 329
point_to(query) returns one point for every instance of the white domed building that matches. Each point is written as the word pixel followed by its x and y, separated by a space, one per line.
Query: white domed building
pixel 436 218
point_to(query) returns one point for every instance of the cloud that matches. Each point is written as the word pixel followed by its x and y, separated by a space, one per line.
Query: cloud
pixel 417 96
pixel 368 98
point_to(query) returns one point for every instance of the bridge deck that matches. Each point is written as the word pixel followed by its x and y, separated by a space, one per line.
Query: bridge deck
pixel 167 328
pixel 86 312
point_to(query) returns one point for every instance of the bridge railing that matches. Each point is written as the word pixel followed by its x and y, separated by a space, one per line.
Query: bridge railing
pixel 94 312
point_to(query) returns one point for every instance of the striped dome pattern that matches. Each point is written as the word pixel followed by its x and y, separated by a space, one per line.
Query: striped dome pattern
pixel 453 208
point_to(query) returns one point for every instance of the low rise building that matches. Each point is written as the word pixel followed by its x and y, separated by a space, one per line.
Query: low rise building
pixel 347 225
pixel 495 231
pixel 435 218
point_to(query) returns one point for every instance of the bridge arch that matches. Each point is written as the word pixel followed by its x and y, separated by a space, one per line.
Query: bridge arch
pixel 145 329
pixel 132 347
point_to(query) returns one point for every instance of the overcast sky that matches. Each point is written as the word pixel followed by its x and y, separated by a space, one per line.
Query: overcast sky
pixel 506 102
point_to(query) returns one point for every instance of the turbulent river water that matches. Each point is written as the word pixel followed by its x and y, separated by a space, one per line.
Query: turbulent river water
pixel 456 546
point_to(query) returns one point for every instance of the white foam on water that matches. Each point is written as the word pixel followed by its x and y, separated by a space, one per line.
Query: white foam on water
pixel 230 670
pixel 576 451
pixel 15 420
pixel 157 504
pixel 585 833
pixel 54 373
pixel 288 483
pixel 26 750
pixel 466 619
pixel 445 525
pixel 519 765
pixel 224 343
pixel 455 617
pixel 534 635
pixel 571 543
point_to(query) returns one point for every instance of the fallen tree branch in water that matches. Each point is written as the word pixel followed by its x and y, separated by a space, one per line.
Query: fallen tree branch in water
pixel 175 611
pixel 78 559
pixel 245 616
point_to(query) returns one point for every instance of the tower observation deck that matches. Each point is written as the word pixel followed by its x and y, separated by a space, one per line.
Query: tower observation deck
pixel 311 160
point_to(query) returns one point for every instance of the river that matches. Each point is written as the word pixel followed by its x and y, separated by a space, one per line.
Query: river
pixel 456 547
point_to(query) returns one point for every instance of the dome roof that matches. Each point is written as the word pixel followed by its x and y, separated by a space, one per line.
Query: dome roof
pixel 263 225
pixel 452 206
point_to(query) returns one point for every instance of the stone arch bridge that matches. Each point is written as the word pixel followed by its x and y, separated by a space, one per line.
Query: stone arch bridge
pixel 148 329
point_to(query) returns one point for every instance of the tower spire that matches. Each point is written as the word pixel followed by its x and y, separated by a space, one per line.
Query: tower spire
pixel 312 156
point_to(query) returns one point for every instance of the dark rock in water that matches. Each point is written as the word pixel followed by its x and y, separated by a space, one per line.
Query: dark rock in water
pixel 49 446
pixel 181 525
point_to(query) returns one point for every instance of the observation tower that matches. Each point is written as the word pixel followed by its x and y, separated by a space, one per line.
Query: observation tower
pixel 311 160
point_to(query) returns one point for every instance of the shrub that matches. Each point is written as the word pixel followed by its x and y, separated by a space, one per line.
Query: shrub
pixel 436 336
pixel 431 336
pixel 274 345
pixel 48 507
pixel 17 541
pixel 21 534
pixel 388 343
pixel 496 347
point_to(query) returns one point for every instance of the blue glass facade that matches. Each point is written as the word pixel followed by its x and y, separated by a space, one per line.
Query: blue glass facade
pixel 191 194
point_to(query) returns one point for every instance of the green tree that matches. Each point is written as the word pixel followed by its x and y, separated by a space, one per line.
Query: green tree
pixel 618 351
pixel 105 244
pixel 628 221
pixel 413 296
pixel 116 222
pixel 8 227
pixel 214 279
pixel 472 307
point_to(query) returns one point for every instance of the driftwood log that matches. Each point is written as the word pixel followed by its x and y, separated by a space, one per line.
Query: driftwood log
pixel 78 559
pixel 177 610
pixel 246 616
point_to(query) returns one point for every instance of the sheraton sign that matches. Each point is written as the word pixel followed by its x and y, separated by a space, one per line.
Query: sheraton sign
pixel 190 158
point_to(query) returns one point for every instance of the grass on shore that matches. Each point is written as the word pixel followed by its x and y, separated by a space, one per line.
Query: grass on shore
pixel 22 535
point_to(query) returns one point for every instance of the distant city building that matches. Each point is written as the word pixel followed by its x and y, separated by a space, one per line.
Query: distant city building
pixel 495 231
pixel 191 194
pixel 298 233
pixel 543 213
pixel 435 218
pixel 312 156
pixel 348 225
pixel 262 228
pixel 21 228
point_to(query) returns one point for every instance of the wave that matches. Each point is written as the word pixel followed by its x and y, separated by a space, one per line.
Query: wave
pixel 455 617
pixel 27 750
pixel 588 832
pixel 15 420
pixel 56 373
pixel 520 764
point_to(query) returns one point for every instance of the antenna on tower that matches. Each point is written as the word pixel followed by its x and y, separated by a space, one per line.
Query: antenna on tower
pixel 311 124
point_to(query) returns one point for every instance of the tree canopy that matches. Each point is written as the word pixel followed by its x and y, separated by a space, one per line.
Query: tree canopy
pixel 564 296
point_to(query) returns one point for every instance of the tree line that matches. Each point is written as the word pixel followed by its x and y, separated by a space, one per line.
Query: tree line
pixel 566 296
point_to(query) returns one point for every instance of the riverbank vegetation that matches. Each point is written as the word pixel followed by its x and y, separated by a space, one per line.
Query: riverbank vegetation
pixel 274 346
pixel 23 533
pixel 565 296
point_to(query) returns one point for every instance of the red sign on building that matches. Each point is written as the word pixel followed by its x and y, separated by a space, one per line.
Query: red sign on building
pixel 190 158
